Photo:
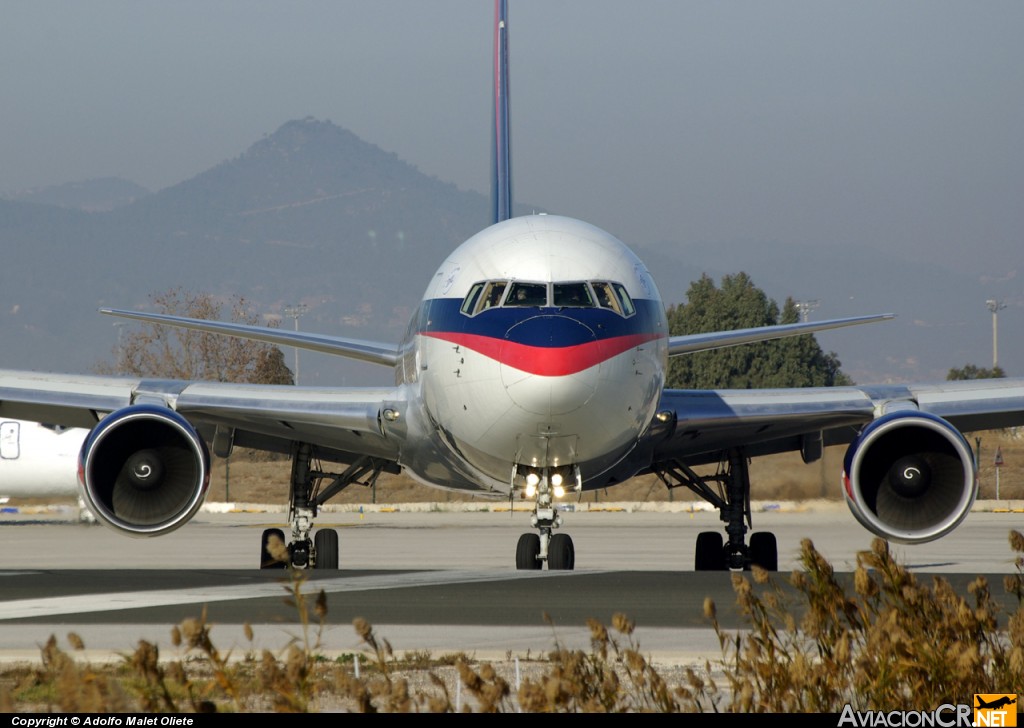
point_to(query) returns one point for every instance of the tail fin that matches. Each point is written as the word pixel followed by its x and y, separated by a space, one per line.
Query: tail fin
pixel 501 144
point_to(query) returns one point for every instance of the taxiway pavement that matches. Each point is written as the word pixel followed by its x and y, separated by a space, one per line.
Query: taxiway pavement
pixel 437 581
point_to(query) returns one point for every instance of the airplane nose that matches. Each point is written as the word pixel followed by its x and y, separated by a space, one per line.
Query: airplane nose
pixel 545 379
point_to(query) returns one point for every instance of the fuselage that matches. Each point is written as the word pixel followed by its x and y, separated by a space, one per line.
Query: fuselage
pixel 37 460
pixel 541 342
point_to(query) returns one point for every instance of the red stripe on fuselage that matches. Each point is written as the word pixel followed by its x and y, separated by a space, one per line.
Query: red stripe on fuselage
pixel 547 361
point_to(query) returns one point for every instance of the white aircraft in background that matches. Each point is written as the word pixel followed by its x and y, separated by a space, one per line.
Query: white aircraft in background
pixel 39 460
pixel 534 368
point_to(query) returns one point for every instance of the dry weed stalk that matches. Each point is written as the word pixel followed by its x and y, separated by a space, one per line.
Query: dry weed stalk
pixel 613 677
pixel 894 642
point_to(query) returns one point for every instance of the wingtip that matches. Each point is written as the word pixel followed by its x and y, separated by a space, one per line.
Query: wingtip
pixel 116 312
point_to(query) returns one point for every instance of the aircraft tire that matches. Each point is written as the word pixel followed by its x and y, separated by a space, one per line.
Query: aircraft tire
pixel 528 551
pixel 764 550
pixel 561 553
pixel 266 560
pixel 710 552
pixel 325 543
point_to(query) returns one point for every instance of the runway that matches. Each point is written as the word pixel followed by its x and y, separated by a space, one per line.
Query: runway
pixel 437 581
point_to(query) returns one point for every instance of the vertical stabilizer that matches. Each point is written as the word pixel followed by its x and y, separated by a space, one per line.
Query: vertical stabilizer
pixel 501 144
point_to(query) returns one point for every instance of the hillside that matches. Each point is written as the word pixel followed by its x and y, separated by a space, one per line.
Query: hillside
pixel 308 214
pixel 94 195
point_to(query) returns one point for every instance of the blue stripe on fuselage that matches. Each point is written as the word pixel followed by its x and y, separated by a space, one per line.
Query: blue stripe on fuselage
pixel 442 315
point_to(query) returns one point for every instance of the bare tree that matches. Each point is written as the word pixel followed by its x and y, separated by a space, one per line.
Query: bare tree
pixel 163 351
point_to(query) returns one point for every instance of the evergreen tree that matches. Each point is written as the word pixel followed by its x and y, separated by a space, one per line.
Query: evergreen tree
pixel 970 371
pixel 791 362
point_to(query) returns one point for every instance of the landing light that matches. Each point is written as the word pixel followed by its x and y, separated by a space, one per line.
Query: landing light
pixel 559 491
pixel 532 479
pixel 556 479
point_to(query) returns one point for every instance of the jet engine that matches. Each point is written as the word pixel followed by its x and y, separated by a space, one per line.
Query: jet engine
pixel 143 470
pixel 910 477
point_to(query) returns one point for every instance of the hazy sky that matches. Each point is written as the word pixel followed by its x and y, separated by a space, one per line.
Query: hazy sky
pixel 898 125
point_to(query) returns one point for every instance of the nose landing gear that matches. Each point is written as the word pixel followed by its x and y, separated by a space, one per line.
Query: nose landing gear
pixel 534 549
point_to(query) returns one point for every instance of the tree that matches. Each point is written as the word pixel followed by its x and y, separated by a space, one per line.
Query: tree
pixel 174 353
pixel 791 362
pixel 970 371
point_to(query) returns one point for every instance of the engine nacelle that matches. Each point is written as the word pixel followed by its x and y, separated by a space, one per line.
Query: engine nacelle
pixel 143 470
pixel 910 477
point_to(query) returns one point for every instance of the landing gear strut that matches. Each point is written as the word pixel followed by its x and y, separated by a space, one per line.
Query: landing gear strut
pixel 306 496
pixel 732 499
pixel 556 549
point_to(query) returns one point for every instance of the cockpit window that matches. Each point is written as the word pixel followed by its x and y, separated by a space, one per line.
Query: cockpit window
pixel 527 294
pixel 492 295
pixel 606 297
pixel 573 295
pixel 469 303
pixel 482 296
pixel 627 303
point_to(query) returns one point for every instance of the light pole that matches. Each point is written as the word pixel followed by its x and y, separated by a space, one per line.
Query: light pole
pixel 995 307
pixel 295 312
pixel 805 308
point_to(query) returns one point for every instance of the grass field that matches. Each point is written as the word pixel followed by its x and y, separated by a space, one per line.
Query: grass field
pixel 781 477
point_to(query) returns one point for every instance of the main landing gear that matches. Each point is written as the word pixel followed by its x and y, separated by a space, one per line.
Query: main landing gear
pixel 732 499
pixel 534 549
pixel 306 496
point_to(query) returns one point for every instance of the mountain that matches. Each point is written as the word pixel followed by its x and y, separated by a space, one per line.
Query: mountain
pixel 313 215
pixel 95 195
pixel 309 214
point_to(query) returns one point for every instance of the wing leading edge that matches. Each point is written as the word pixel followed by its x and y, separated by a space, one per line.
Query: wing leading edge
pixel 692 343
pixel 368 351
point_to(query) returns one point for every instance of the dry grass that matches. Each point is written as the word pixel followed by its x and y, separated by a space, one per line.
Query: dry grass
pixel 257 479
pixel 894 642
pixel 891 642
pixel 776 477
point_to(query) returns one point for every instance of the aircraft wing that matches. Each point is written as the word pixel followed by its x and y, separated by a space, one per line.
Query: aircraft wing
pixel 369 351
pixel 691 343
pixel 764 421
pixel 342 419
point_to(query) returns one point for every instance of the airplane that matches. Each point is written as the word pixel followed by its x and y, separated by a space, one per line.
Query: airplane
pixel 533 368
pixel 39 460
pixel 995 704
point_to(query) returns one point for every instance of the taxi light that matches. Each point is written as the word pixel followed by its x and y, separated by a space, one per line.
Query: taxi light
pixel 532 479
pixel 531 490
pixel 556 479
pixel 559 491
